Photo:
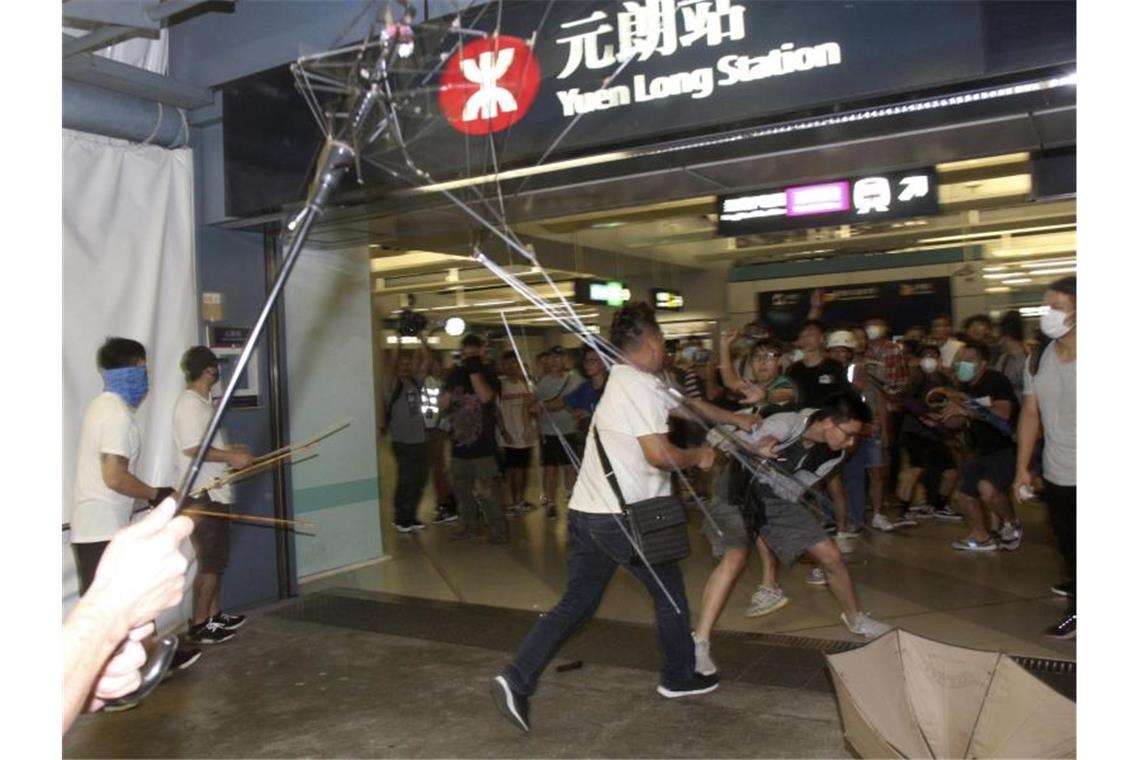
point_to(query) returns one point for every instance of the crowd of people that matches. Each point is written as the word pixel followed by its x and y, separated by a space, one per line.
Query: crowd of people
pixel 919 423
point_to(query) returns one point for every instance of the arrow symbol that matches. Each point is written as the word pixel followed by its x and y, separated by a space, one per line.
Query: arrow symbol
pixel 914 187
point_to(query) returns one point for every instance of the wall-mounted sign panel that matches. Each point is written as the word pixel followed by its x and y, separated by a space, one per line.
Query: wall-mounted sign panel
pixel 870 198
pixel 666 300
pixel 686 67
pixel 601 292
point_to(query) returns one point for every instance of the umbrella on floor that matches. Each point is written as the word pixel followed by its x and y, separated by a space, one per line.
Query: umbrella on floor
pixel 906 696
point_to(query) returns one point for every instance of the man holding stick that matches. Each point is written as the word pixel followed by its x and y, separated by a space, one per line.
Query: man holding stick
pixel 211 536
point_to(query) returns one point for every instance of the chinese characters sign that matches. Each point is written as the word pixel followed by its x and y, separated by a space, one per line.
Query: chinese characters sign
pixel 887 195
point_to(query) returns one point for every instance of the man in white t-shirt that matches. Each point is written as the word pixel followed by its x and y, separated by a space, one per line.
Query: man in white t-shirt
pixel 109 446
pixel 632 422
pixel 518 433
pixel 211 536
pixel 558 427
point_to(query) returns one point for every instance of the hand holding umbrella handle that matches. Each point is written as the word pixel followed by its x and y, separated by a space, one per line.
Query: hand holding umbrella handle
pixel 156 666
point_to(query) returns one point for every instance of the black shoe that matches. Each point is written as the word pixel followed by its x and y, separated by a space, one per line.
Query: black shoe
pixel 945 513
pixel 208 633
pixel 511 704
pixel 417 525
pixel 1066 628
pixel 1065 588
pixel 228 621
pixel 444 515
pixel 698 684
pixel 403 527
pixel 183 658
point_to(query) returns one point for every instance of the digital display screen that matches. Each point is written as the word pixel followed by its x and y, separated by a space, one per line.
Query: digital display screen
pixel 667 300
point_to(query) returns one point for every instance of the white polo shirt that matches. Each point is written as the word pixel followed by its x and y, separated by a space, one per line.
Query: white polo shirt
pixel 108 428
pixel 192 414
pixel 634 404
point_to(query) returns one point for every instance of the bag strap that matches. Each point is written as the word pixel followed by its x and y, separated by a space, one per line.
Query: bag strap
pixel 608 468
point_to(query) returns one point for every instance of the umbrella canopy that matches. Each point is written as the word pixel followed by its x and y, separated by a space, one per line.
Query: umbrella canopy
pixel 906 696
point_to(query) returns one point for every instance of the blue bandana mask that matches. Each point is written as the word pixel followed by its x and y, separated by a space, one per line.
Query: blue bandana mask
pixel 130 383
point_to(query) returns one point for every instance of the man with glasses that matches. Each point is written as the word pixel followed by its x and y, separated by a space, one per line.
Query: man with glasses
pixel 805 446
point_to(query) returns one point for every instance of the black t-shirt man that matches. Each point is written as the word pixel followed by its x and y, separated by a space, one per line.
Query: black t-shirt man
pixel 992 386
pixel 472 423
pixel 817 383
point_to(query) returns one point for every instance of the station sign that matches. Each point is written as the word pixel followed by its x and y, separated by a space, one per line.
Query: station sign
pixel 870 198
pixel 666 300
pixel 601 292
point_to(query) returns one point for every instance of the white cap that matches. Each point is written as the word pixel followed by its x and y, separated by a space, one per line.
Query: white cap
pixel 841 339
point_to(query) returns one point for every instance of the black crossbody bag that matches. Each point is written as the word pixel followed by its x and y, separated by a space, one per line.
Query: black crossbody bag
pixel 658 525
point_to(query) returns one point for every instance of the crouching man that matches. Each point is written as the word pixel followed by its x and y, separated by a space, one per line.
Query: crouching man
pixel 803 447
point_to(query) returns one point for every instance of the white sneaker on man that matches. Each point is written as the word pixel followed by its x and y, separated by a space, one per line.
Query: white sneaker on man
pixel 705 665
pixel 764 601
pixel 880 522
pixel 864 625
pixel 817 577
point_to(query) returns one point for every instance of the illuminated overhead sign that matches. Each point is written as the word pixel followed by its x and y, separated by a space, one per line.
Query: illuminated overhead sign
pixel 886 195
pixel 667 300
pixel 602 292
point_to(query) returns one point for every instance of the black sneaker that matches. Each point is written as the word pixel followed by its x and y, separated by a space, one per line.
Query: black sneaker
pixel 511 704
pixel 183 658
pixel 208 632
pixel 403 527
pixel 698 684
pixel 417 525
pixel 228 621
pixel 945 513
pixel 1066 628
pixel 444 515
pixel 1065 588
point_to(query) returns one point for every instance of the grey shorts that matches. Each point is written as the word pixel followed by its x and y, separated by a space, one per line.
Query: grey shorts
pixel 789 530
pixel 734 534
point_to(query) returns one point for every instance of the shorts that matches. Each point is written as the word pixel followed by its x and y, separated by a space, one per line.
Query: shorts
pixel 553 454
pixel 733 531
pixel 516 459
pixel 211 537
pixel 997 467
pixel 927 452
pixel 874 452
pixel 789 529
pixel 87 558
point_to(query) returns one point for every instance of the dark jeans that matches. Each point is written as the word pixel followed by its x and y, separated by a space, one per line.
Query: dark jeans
pixel 411 479
pixel 87 558
pixel 597 546
pixel 1062 504
pixel 855 483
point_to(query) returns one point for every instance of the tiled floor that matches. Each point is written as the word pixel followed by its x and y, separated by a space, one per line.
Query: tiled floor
pixel 910 578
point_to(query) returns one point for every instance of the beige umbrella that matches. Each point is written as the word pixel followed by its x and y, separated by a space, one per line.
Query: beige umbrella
pixel 906 696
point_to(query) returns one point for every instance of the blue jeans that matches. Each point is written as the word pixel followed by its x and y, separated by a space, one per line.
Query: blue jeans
pixel 597 546
pixel 855 482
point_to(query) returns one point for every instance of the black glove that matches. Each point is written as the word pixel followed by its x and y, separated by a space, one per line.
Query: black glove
pixel 163 492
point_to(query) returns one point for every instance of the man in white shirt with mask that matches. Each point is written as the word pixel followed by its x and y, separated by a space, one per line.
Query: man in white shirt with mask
pixel 211 536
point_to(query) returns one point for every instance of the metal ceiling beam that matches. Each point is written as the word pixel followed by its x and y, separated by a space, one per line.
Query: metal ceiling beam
pixel 165 9
pixel 120 13
pixel 100 38
pixel 130 80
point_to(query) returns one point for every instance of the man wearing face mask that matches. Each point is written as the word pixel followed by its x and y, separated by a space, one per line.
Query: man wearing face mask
pixel 211 537
pixel 927 451
pixel 109 446
pixel 886 376
pixel 988 472
pixel 1051 403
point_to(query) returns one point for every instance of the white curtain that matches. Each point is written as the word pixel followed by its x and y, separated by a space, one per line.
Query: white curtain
pixel 128 271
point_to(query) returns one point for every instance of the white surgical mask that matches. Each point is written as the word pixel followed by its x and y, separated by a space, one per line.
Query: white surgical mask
pixel 874 332
pixel 929 364
pixel 1053 323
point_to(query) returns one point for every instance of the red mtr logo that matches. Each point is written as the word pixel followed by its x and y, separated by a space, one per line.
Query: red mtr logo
pixel 489 85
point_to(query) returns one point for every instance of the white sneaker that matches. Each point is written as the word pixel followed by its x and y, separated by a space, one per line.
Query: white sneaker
pixel 880 522
pixel 1009 537
pixel 705 665
pixel 765 600
pixel 864 625
pixel 817 577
